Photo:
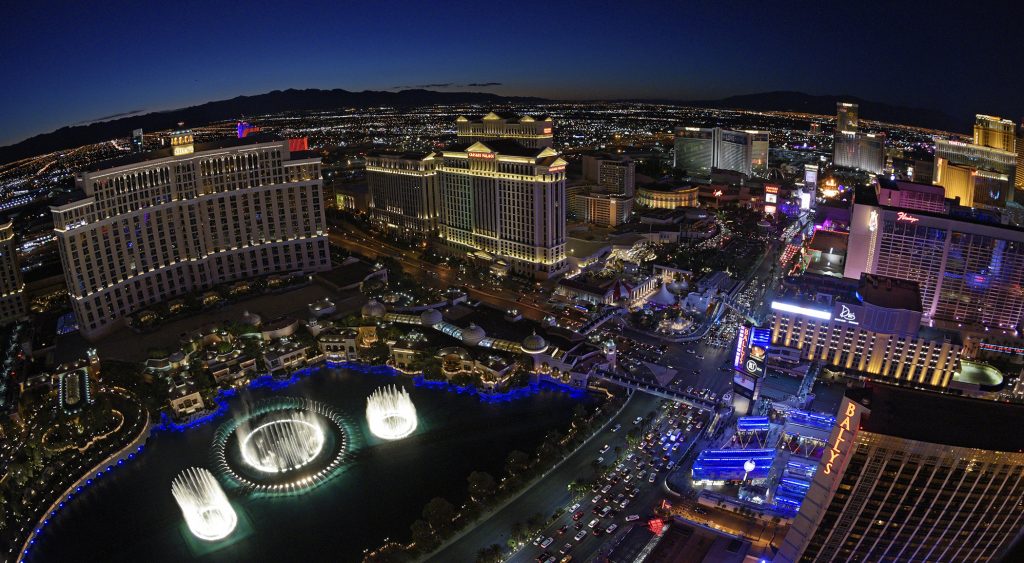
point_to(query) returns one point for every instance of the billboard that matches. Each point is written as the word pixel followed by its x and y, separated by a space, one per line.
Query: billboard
pixel 757 351
pixel 751 352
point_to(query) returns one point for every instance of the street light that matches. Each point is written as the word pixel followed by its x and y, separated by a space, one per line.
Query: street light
pixel 748 466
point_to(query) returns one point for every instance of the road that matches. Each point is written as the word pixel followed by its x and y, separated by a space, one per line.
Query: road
pixel 548 494
pixel 613 490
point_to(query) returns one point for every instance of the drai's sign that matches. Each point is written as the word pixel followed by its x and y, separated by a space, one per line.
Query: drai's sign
pixel 846 315
pixel 842 442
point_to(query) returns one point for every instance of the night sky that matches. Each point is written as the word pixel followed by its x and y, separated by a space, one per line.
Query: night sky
pixel 70 64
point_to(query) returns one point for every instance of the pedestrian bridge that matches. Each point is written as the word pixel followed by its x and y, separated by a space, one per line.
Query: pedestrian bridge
pixel 655 389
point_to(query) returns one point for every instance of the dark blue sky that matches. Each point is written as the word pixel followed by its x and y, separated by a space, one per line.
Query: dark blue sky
pixel 83 61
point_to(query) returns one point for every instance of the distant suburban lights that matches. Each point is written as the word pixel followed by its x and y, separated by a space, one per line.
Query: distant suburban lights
pixel 901 216
pixel 844 429
pixel 798 310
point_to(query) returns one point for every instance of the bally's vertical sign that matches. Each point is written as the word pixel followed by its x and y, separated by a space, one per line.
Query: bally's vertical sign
pixel 841 444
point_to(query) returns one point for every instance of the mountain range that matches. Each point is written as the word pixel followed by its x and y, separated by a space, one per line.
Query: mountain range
pixel 318 100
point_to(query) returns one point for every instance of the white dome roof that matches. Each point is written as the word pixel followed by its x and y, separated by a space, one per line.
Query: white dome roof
pixel 430 317
pixel 472 335
pixel 374 309
pixel 534 344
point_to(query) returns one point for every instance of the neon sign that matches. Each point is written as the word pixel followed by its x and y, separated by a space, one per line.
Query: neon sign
pixel 656 526
pixel 845 314
pixel 483 155
pixel 554 169
pixel 741 346
pixel 547 130
pixel 901 216
pixel 1001 349
pixel 873 221
pixel 834 450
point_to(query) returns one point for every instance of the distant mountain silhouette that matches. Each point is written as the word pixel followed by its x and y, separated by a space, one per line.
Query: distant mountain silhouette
pixel 271 102
pixel 317 100
pixel 826 105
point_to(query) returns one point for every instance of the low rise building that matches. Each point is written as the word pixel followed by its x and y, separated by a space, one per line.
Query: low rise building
pixel 285 356
pixel 603 290
pixel 339 344
pixel 666 196
pixel 603 210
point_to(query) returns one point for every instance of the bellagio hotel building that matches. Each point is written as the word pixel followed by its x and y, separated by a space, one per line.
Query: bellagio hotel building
pixel 158 225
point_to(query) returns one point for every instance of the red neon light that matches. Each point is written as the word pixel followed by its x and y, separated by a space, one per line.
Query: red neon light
pixel 547 130
pixel 901 216
pixel 656 526
pixel 554 169
pixel 300 144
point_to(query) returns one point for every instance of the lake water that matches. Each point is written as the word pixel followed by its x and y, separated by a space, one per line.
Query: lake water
pixel 131 515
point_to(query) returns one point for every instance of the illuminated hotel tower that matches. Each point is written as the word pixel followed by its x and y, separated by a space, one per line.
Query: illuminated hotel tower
pixel 12 289
pixel 895 484
pixel 533 132
pixel 1019 173
pixel 846 117
pixel 994 132
pixel 403 189
pixel 502 200
pixel 161 224
pixel 698 150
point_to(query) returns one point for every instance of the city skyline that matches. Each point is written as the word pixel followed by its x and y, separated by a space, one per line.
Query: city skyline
pixel 511 283
pixel 93 66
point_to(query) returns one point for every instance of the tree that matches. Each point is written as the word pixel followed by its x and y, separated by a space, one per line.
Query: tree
pixel 378 352
pixel 633 437
pixel 422 534
pixel 535 521
pixel 579 413
pixel 516 462
pixel 439 513
pixel 490 554
pixel 481 485
pixel 518 531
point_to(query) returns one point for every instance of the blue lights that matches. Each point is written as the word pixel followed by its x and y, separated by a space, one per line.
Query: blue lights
pixel 77 492
pixel 814 420
pixel 500 397
pixel 728 465
pixel 752 424
pixel 273 384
